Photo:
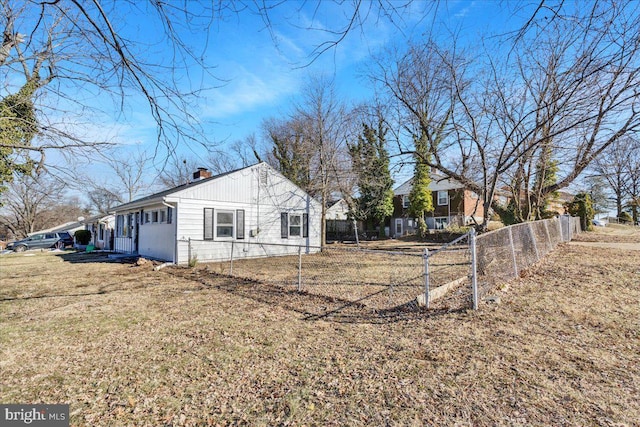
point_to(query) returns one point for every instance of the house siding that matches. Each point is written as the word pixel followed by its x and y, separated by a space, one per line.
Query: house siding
pixel 262 194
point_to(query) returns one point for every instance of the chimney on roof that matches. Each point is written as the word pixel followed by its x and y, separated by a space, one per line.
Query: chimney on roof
pixel 201 173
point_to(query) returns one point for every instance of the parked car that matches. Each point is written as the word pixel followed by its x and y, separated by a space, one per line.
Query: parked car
pixel 599 223
pixel 59 240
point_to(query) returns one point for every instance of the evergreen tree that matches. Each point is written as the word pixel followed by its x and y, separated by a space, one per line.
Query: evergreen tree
pixel 18 127
pixel 420 198
pixel 582 206
pixel 370 161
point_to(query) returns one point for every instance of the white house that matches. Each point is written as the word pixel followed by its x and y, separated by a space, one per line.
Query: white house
pixel 253 211
pixel 101 228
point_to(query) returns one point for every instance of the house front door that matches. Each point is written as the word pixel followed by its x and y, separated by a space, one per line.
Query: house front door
pixel 398 231
pixel 136 232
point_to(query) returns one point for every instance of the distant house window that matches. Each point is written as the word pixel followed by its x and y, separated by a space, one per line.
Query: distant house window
pixel 443 198
pixel 224 224
pixel 441 223
pixel 294 225
pixel 162 216
pixel 147 217
pixel 405 202
pixel 154 216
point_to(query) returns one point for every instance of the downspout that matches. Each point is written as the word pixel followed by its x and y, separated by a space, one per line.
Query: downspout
pixel 175 229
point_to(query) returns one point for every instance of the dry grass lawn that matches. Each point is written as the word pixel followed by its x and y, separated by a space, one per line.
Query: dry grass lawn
pixel 124 345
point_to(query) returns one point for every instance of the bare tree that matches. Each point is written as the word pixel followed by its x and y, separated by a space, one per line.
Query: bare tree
pixel 309 148
pixel 59 55
pixel 126 178
pixel 27 201
pixel 619 166
pixel 508 120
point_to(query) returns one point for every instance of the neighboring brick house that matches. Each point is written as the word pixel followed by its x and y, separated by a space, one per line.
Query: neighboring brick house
pixel 453 204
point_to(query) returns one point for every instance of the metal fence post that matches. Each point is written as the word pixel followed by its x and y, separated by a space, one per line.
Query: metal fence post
pixel 299 268
pixel 426 277
pixel 474 269
pixel 189 251
pixel 355 228
pixel 231 266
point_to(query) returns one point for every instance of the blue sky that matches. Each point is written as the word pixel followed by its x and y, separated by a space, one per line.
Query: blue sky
pixel 262 70
pixel 256 72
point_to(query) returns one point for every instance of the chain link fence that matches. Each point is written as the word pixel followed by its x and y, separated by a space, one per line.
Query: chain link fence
pixel 349 279
pixel 504 253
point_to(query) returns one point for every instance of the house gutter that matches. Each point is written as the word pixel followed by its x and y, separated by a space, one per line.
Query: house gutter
pixel 175 228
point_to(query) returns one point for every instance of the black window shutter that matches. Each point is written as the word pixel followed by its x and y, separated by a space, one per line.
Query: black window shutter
pixel 305 225
pixel 240 224
pixel 284 225
pixel 208 224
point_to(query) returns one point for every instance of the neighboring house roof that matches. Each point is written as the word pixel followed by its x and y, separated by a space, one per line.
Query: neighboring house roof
pixel 438 183
pixel 75 225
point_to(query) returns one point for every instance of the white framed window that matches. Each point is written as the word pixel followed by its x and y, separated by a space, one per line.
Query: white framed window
pixel 405 202
pixel 443 198
pixel 441 223
pixel 147 217
pixel 294 225
pixel 154 216
pixel 224 224
pixel 162 216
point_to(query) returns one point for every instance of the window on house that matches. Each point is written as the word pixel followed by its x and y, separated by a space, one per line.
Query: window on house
pixel 294 225
pixel 441 223
pixel 405 202
pixel 224 224
pixel 169 215
pixel 208 224
pixel 154 216
pixel 162 216
pixel 147 217
pixel 443 198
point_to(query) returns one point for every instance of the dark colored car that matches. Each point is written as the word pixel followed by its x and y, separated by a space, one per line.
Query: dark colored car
pixel 59 240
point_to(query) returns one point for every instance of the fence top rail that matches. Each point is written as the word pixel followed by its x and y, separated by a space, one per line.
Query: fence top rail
pixel 446 245
pixel 284 245
pixel 501 230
